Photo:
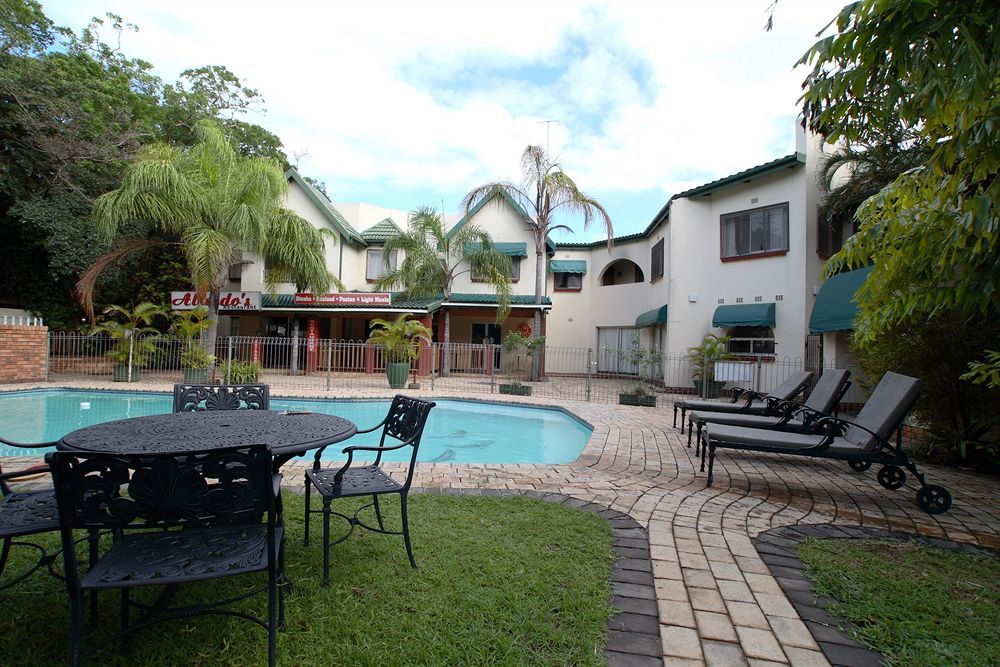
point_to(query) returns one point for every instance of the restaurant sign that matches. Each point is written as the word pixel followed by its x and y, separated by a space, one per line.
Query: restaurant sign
pixel 344 299
pixel 227 300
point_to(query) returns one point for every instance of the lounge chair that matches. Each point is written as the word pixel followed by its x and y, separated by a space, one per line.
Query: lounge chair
pixel 861 442
pixel 789 416
pixel 749 402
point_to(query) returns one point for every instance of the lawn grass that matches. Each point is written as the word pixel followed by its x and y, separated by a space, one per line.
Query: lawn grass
pixel 502 581
pixel 917 605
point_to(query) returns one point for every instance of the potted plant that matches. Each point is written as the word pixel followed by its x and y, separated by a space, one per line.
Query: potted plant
pixel 240 372
pixel 703 358
pixel 133 336
pixel 195 359
pixel 515 340
pixel 400 340
pixel 643 359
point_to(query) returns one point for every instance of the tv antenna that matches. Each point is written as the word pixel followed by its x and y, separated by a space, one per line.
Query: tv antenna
pixel 548 124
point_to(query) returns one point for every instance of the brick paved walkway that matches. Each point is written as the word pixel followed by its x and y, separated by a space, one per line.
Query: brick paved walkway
pixel 718 602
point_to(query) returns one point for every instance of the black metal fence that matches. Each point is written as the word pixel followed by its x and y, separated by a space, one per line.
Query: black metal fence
pixel 344 367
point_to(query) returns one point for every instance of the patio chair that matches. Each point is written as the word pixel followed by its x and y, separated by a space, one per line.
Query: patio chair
pixel 861 442
pixel 25 513
pixel 789 416
pixel 196 397
pixel 176 518
pixel 405 423
pixel 749 402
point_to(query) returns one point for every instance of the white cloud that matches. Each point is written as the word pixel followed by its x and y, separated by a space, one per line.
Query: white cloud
pixel 650 96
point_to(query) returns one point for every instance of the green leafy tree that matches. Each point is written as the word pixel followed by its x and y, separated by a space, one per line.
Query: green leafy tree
pixel 927 69
pixel 432 260
pixel 545 192
pixel 218 203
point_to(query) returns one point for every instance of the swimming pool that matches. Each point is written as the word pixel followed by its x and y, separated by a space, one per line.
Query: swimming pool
pixel 456 432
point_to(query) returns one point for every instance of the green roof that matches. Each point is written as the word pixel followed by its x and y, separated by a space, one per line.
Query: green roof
pixel 380 232
pixel 430 304
pixel 568 266
pixel 325 206
pixel 744 315
pixel 835 307
pixel 515 299
pixel 513 249
pixel 652 318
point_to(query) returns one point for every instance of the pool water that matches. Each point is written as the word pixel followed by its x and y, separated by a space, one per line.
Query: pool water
pixel 456 431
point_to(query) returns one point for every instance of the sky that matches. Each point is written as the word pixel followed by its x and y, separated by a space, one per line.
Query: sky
pixel 406 104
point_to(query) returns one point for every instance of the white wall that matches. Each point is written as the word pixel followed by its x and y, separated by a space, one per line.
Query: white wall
pixel 504 225
pixel 699 278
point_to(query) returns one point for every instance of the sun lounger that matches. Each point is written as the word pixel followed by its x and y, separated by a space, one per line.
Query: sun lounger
pixel 749 402
pixel 789 416
pixel 861 442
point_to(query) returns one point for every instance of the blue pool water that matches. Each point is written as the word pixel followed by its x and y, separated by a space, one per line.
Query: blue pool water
pixel 456 432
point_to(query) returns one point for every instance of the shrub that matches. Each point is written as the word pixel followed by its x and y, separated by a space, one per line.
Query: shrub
pixel 960 417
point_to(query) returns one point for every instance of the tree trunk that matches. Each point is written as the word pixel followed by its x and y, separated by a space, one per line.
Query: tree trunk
pixel 446 361
pixel 536 326
pixel 212 332
pixel 294 364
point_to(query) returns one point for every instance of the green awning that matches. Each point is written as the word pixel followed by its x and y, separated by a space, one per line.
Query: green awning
pixel 835 307
pixel 744 315
pixel 568 266
pixel 652 318
pixel 509 249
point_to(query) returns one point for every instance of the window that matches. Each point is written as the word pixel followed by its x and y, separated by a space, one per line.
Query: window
pixel 515 271
pixel 758 231
pixel 377 266
pixel 756 342
pixel 656 261
pixel 830 233
pixel 235 272
pixel 568 281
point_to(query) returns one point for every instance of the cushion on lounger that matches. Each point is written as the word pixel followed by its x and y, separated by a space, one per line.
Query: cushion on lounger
pixel 824 396
pixel 749 421
pixel 884 410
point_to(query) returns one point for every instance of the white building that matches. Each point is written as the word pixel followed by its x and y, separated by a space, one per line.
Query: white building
pixel 739 256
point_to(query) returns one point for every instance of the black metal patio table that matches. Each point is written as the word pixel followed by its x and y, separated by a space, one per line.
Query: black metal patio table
pixel 288 433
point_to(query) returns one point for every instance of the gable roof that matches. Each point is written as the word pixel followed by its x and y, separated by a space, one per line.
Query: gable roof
pixel 550 245
pixel 381 231
pixel 325 207
pixel 745 176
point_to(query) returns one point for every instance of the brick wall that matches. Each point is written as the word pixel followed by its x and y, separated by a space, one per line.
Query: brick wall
pixel 22 353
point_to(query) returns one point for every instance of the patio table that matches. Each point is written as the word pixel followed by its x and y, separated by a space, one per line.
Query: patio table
pixel 289 434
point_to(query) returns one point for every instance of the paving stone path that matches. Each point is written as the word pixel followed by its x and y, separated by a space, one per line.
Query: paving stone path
pixel 717 601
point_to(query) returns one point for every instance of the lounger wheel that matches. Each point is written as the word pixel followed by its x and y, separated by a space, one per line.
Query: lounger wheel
pixel 934 499
pixel 892 477
pixel 860 466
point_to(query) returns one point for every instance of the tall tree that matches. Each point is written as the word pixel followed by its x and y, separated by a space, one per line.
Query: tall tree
pixel 545 191
pixel 432 260
pixel 218 204
pixel 930 68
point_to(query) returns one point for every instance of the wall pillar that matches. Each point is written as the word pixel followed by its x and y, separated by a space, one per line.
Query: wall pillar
pixel 426 349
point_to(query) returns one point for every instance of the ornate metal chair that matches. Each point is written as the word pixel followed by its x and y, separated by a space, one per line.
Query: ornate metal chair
pixel 195 397
pixel 405 422
pixel 25 513
pixel 177 518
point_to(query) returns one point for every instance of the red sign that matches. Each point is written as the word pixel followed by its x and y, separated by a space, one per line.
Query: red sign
pixel 312 336
pixel 227 300
pixel 344 299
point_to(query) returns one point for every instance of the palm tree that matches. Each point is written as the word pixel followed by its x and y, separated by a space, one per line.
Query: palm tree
pixel 856 172
pixel 545 190
pixel 432 260
pixel 215 203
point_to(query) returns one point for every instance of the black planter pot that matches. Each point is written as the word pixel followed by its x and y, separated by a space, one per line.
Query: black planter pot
pixel 515 390
pixel 645 401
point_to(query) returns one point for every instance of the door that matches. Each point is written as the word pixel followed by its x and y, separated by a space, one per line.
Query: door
pixel 487 333
pixel 611 341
